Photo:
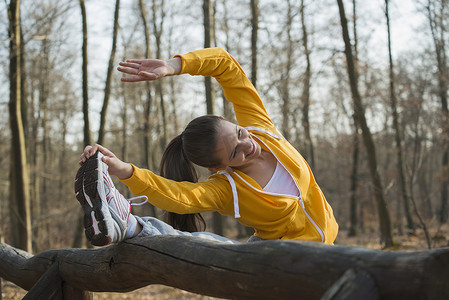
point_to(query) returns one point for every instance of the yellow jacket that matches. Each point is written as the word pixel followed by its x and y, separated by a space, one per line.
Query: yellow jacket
pixel 273 216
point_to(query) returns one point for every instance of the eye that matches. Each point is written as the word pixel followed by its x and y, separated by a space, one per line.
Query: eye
pixel 239 134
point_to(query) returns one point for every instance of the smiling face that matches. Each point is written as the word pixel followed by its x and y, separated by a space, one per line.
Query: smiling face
pixel 235 146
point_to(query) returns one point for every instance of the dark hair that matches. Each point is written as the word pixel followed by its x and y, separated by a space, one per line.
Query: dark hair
pixel 199 140
pixel 196 145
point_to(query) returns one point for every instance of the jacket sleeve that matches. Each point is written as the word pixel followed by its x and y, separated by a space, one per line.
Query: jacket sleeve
pixel 238 89
pixel 184 197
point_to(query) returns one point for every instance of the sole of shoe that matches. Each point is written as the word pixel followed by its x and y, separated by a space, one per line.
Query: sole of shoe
pixel 94 205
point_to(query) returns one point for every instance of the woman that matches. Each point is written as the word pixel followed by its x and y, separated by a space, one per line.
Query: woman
pixel 261 179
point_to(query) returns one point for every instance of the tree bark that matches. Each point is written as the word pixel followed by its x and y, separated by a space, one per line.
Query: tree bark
pixel 353 219
pixel 261 270
pixel 353 215
pixel 19 188
pixel 285 78
pixel 437 27
pixel 306 92
pixel 157 29
pixel 227 106
pixel 149 98
pixel 78 240
pixel 254 30
pixel 384 218
pixel 87 137
pixel 208 37
pixel 107 88
pixel 397 131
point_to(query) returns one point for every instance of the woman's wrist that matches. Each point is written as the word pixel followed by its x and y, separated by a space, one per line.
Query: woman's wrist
pixel 126 172
pixel 175 64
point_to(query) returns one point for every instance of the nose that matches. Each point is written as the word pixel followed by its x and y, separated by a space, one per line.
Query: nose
pixel 248 145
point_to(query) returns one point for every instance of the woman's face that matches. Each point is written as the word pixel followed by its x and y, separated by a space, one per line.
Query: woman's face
pixel 235 146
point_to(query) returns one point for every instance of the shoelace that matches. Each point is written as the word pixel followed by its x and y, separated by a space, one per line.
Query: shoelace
pixel 138 197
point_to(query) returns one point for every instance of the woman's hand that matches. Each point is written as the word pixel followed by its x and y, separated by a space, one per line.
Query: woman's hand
pixel 115 166
pixel 149 69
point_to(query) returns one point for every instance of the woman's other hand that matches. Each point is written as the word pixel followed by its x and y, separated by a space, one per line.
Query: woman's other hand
pixel 115 166
pixel 149 69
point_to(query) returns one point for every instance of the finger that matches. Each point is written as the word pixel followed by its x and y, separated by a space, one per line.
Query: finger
pixel 86 152
pixel 105 151
pixel 129 71
pixel 130 64
pixel 132 79
pixel 136 61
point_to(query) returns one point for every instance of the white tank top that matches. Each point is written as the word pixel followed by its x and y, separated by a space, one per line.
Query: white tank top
pixel 281 182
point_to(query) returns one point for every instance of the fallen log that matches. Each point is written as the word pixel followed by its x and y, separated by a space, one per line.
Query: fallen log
pixel 260 270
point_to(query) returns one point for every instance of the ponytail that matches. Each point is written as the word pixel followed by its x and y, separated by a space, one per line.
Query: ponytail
pixel 176 166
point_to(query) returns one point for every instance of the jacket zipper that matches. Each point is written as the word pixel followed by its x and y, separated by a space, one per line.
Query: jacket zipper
pixel 301 202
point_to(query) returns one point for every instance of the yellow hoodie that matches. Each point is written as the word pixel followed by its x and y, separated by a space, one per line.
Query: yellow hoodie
pixel 273 216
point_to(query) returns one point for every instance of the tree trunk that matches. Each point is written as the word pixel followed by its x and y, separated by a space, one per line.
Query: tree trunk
pixel 87 137
pixel 262 270
pixel 79 229
pixel 397 133
pixel 19 188
pixel 208 37
pixel 306 92
pixel 149 98
pixel 437 27
pixel 384 218
pixel 353 215
pixel 285 78
pixel 159 84
pixel 217 219
pixel 107 88
pixel 147 128
pixel 353 220
pixel 227 106
pixel 254 30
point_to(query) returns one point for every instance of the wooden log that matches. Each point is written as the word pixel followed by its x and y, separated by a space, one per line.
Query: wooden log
pixel 50 286
pixel 260 270
pixel 353 285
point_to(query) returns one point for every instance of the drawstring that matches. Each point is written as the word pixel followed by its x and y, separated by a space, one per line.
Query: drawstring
pixel 138 197
pixel 234 194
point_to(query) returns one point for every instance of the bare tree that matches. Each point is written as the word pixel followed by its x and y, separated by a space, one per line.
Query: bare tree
pixel 306 91
pixel 87 136
pixel 147 144
pixel 148 88
pixel 397 132
pixel 227 106
pixel 384 218
pixel 107 88
pixel 285 77
pixel 254 4
pixel 353 216
pixel 438 13
pixel 19 181
pixel 78 240
pixel 159 10
pixel 208 38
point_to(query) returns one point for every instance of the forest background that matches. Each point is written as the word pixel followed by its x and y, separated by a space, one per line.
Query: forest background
pixel 360 91
pixel 69 95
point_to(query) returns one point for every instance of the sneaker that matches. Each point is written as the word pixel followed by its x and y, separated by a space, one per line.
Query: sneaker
pixel 106 211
